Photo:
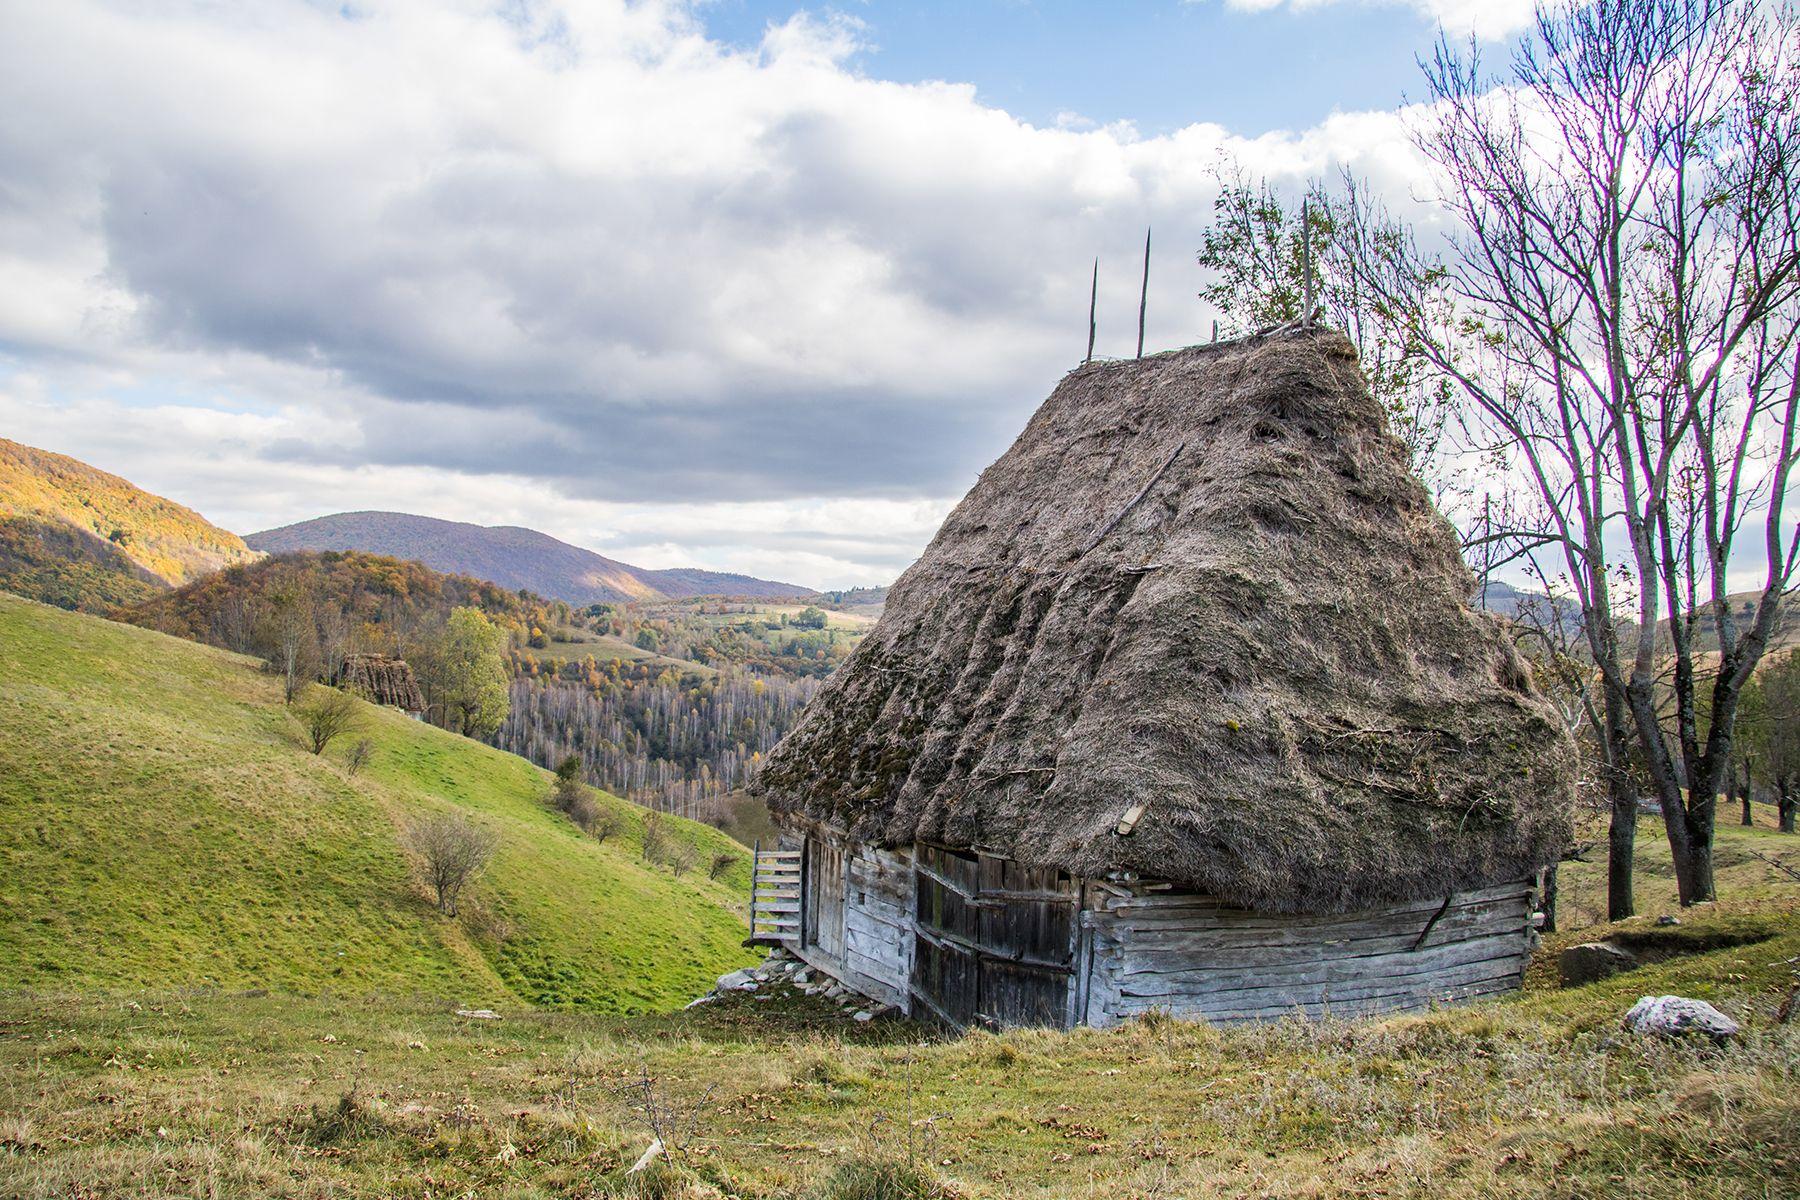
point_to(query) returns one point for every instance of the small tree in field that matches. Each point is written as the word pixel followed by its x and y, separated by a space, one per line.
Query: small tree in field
pixel 656 838
pixel 359 756
pixel 721 863
pixel 603 826
pixel 452 852
pixel 328 716
pixel 683 858
pixel 569 791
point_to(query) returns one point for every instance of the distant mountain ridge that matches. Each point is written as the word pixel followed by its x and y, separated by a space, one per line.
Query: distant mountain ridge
pixel 512 557
pixel 78 537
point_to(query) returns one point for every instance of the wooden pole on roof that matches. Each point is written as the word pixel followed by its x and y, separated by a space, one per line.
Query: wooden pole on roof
pixel 1306 257
pixel 1093 300
pixel 1144 293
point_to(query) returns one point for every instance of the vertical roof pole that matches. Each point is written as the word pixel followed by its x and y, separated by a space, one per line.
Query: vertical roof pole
pixel 1306 256
pixel 1093 299
pixel 1144 294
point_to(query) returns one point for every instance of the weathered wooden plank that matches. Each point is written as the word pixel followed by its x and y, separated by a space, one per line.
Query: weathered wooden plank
pixel 880 947
pixel 1240 918
pixel 1343 977
pixel 1213 949
pixel 1141 915
pixel 1360 999
pixel 874 978
pixel 1264 1006
pixel 1126 964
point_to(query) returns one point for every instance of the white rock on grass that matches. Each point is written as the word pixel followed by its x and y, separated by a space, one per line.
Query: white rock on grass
pixel 741 980
pixel 1677 1017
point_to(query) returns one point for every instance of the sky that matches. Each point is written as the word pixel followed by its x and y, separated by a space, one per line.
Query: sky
pixel 736 284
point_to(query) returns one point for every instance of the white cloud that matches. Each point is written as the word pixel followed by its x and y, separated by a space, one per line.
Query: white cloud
pixel 1487 19
pixel 572 266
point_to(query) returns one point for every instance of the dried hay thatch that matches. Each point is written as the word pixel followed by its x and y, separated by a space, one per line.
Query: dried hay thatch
pixel 1206 582
pixel 382 680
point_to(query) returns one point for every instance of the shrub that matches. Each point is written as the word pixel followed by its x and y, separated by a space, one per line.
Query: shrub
pixel 656 838
pixel 583 809
pixel 683 858
pixel 879 1178
pixel 328 716
pixel 605 826
pixel 360 755
pixel 720 864
pixel 452 852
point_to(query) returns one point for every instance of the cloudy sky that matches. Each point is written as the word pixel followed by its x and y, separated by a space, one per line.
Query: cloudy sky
pixel 740 284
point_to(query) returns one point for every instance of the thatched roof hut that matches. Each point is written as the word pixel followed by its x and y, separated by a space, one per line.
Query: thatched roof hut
pixel 382 680
pixel 1200 624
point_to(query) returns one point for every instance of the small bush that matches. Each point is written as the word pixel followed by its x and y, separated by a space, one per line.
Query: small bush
pixel 360 756
pixel 656 838
pixel 353 1117
pixel 327 717
pixel 879 1178
pixel 605 826
pixel 452 852
pixel 720 864
pixel 583 809
pixel 683 857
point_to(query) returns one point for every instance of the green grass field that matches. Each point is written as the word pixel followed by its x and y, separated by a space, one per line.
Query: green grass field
pixel 161 826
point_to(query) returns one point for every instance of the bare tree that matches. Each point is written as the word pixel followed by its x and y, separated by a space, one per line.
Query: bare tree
pixel 360 756
pixel 452 852
pixel 683 857
pixel 656 838
pixel 327 716
pixel 1618 305
pixel 289 639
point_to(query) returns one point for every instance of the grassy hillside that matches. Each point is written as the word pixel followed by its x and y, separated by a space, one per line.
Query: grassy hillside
pixel 79 537
pixel 161 826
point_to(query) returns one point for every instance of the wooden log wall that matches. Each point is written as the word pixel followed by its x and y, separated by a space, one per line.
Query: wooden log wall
pixel 1193 956
pixel 875 908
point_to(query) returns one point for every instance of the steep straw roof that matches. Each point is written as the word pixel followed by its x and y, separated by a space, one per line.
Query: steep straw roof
pixel 1208 583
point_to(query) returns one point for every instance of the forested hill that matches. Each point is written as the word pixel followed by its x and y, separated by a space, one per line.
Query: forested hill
pixel 512 557
pixel 78 537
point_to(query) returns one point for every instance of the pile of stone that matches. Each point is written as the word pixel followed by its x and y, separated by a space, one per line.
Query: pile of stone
pixel 782 970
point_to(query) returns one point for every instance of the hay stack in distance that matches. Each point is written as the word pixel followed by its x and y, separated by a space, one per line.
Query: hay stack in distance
pixel 1206 583
pixel 382 680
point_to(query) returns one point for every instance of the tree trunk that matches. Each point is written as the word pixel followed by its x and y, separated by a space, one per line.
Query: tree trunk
pixel 1549 901
pixel 1687 820
pixel 1789 806
pixel 1749 790
pixel 1731 788
pixel 1621 836
pixel 1694 870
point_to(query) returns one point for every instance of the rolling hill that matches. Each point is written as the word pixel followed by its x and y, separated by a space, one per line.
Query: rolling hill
pixel 510 556
pixel 77 537
pixel 162 827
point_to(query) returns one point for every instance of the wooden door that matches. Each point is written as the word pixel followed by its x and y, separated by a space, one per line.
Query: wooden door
pixel 825 897
pixel 994 940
